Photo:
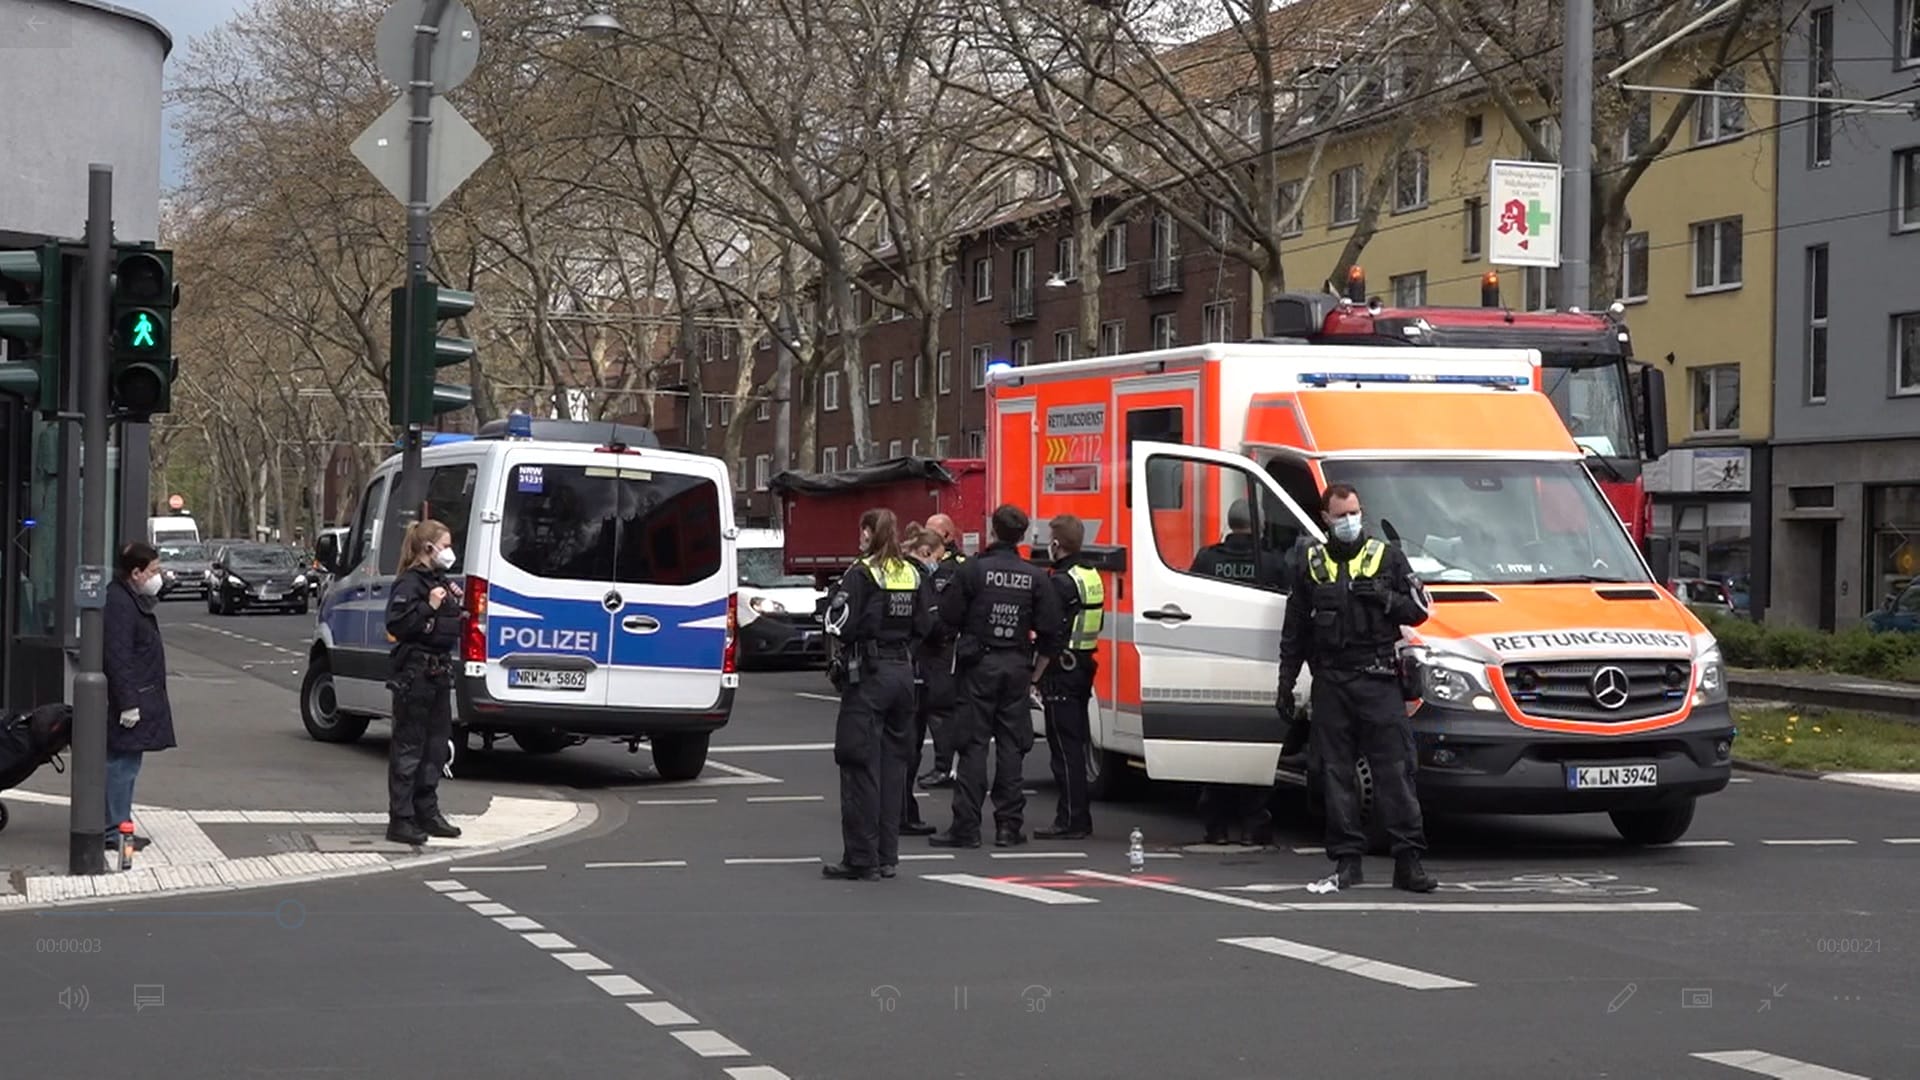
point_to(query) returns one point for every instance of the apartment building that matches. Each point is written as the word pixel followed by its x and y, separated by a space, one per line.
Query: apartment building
pixel 1846 403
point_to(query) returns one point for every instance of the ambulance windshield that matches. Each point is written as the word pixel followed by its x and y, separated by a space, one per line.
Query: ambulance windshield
pixel 1494 522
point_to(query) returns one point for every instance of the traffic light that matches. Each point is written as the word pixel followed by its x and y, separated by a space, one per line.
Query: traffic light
pixel 414 369
pixel 32 317
pixel 143 297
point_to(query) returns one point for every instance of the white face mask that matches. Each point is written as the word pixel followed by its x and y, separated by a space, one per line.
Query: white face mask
pixel 444 558
pixel 151 584
pixel 1346 527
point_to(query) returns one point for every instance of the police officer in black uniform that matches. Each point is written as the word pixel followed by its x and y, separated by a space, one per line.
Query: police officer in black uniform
pixel 424 620
pixel 1349 599
pixel 1238 556
pixel 881 609
pixel 1067 687
pixel 922 547
pixel 1009 621
pixel 936 660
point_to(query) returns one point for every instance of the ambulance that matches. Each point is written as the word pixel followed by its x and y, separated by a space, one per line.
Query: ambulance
pixel 1554 675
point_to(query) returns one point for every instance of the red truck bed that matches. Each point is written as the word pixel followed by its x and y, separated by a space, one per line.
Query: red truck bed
pixel 821 512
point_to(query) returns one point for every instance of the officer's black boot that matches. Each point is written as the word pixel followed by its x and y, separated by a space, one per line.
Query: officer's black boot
pixel 404 831
pixel 949 840
pixel 843 872
pixel 437 825
pixel 1408 874
pixel 1008 837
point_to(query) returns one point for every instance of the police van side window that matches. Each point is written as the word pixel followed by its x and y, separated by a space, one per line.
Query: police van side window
pixel 1166 425
pixel 361 539
pixel 450 502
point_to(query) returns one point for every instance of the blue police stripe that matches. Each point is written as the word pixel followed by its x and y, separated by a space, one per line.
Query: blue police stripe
pixel 579 626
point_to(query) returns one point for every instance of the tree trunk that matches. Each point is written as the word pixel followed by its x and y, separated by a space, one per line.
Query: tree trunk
pixel 1087 240
pixel 1376 197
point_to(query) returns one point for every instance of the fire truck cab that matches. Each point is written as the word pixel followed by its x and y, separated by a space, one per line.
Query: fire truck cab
pixel 1554 675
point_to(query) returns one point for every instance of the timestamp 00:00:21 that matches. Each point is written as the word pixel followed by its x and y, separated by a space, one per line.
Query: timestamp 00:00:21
pixel 1848 946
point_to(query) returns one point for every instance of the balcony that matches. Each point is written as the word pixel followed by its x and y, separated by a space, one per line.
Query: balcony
pixel 1020 303
pixel 1162 275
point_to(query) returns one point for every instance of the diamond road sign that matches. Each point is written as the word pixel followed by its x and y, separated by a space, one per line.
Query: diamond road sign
pixel 454 150
pixel 456 48
pixel 1522 214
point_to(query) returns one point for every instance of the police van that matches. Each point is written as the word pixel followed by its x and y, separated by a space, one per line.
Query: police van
pixel 599 579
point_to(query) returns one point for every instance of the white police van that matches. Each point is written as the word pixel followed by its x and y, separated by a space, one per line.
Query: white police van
pixel 599 573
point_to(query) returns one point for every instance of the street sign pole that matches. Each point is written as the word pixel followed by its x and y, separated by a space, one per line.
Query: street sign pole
pixel 87 804
pixel 1576 156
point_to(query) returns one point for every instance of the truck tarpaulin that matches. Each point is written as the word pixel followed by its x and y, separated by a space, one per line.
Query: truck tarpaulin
pixel 821 511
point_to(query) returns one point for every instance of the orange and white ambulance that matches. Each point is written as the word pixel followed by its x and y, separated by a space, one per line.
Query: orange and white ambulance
pixel 1554 676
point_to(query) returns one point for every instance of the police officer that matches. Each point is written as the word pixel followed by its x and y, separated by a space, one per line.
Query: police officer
pixel 878 613
pixel 1349 599
pixel 423 619
pixel 935 716
pixel 1009 622
pixel 1238 556
pixel 923 547
pixel 1067 687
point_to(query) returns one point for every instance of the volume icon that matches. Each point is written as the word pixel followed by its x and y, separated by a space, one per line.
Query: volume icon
pixel 74 997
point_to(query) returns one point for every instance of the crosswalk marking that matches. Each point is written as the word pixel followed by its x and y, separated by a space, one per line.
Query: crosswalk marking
pixel 1830 842
pixel 1450 906
pixel 1009 888
pixel 661 1013
pixel 1378 970
pixel 1781 1068
pixel 619 985
pixel 710 1044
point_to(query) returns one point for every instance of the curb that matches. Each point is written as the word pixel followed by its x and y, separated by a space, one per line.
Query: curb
pixel 584 816
pixel 1838 776
pixel 1775 770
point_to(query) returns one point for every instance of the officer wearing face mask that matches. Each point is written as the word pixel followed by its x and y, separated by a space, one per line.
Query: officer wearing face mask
pixel 1349 599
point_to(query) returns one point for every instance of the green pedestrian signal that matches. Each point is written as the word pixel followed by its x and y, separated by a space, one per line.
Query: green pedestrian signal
pixel 419 351
pixel 144 295
pixel 33 316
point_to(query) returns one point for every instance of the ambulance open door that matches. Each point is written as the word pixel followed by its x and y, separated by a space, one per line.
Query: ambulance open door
pixel 1207 628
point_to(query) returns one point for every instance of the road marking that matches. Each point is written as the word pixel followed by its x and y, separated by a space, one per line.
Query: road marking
pixel 1741 780
pixel 468 896
pixel 1783 1068
pixel 1702 843
pixel 547 941
pixel 581 961
pixel 784 861
pixel 1008 888
pixel 445 886
pixel 757 1072
pixel 675 802
pixel 769 748
pixel 1810 843
pixel 660 1013
pixel 816 697
pixel 492 910
pixel 619 985
pixel 1378 970
pixel 635 865
pixel 1903 839
pixel 497 869
pixel 1309 851
pixel 710 1044
pixel 1464 907
pixel 1036 854
pixel 786 798
pixel 518 922
pixel 1181 890
pixel 740 775
pixel 928 857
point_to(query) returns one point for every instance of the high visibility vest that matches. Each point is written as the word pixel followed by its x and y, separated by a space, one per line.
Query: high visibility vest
pixel 1364 564
pixel 895 576
pixel 1084 634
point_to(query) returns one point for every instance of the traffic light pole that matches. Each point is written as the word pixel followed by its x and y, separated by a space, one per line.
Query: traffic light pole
pixel 1576 157
pixel 419 236
pixel 87 806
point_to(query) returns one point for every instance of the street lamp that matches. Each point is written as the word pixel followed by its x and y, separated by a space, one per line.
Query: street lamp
pixel 599 24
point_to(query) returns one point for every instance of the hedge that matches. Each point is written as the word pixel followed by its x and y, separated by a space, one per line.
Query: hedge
pixel 1858 651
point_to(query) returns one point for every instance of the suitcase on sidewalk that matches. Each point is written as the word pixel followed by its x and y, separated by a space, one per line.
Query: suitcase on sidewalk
pixel 32 739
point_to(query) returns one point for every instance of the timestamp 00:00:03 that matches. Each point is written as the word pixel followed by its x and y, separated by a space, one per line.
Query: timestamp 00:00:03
pixel 67 945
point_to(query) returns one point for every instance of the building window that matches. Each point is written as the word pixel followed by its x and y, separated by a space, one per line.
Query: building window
pixel 1538 286
pixel 893 448
pixel 829 459
pixel 1409 290
pixel 1216 320
pixel 976 443
pixel 1064 342
pixel 899 377
pixel 1049 185
pixel 1410 181
pixel 941 445
pixel 830 392
pixel 764 410
pixel 1165 331
pixel 726 412
pixel 914 450
pixel 1165 244
pixel 1220 224
pixel 1113 247
pixel 946 287
pixel 1022 352
pixel 1639 126
pixel 1906 359
pixel 851 459
pixel 1344 188
pixel 982 279
pixel 1111 337
pixel 1022 306
pixel 1633 267
pixel 919 376
pixel 1476 129
pixel 1906 194
pixel 1817 324
pixel 1820 84
pixel 1716 400
pixel 1473 227
pixel 1717 118
pixel 873 383
pixel 1716 255
pixel 978 362
pixel 762 467
pixel 1547 130
pixel 944 373
pixel 740 477
pixel 1066 258
pixel 1909 30
pixel 1291 214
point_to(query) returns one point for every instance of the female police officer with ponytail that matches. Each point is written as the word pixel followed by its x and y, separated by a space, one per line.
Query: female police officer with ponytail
pixel 878 613
pixel 423 619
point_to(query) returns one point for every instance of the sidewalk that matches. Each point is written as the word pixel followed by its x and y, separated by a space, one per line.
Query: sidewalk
pixel 248 800
pixel 1901 700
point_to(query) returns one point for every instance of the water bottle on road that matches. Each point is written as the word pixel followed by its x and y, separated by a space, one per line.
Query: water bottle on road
pixel 1136 852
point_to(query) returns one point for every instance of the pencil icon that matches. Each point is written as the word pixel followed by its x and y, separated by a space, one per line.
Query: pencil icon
pixel 1620 999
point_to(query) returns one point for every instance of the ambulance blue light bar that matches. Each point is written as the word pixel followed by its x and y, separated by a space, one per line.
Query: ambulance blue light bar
pixel 1322 378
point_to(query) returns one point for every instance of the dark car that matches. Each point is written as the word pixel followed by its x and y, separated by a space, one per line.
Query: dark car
pixel 251 576
pixel 1900 613
pixel 185 568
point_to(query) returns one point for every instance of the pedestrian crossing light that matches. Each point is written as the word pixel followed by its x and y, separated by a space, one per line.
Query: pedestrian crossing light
pixel 413 394
pixel 143 301
pixel 32 316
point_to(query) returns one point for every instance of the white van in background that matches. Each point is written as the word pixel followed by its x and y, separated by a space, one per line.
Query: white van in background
pixel 779 612
pixel 172 529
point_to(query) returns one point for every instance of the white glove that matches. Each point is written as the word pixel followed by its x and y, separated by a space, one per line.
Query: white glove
pixel 129 718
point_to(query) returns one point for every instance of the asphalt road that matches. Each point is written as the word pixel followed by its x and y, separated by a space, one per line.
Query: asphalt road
pixel 690 935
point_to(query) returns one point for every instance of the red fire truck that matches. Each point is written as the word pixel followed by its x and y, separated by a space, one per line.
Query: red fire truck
pixel 1614 406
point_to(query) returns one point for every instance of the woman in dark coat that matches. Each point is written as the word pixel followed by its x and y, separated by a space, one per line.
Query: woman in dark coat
pixel 140 718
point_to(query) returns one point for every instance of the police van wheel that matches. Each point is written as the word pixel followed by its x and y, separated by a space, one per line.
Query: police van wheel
pixel 680 755
pixel 1662 825
pixel 320 708
pixel 541 742
pixel 3 815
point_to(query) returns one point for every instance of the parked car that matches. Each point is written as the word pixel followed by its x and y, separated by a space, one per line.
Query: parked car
pixel 250 576
pixel 779 612
pixel 1900 613
pixel 185 566
pixel 1702 596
